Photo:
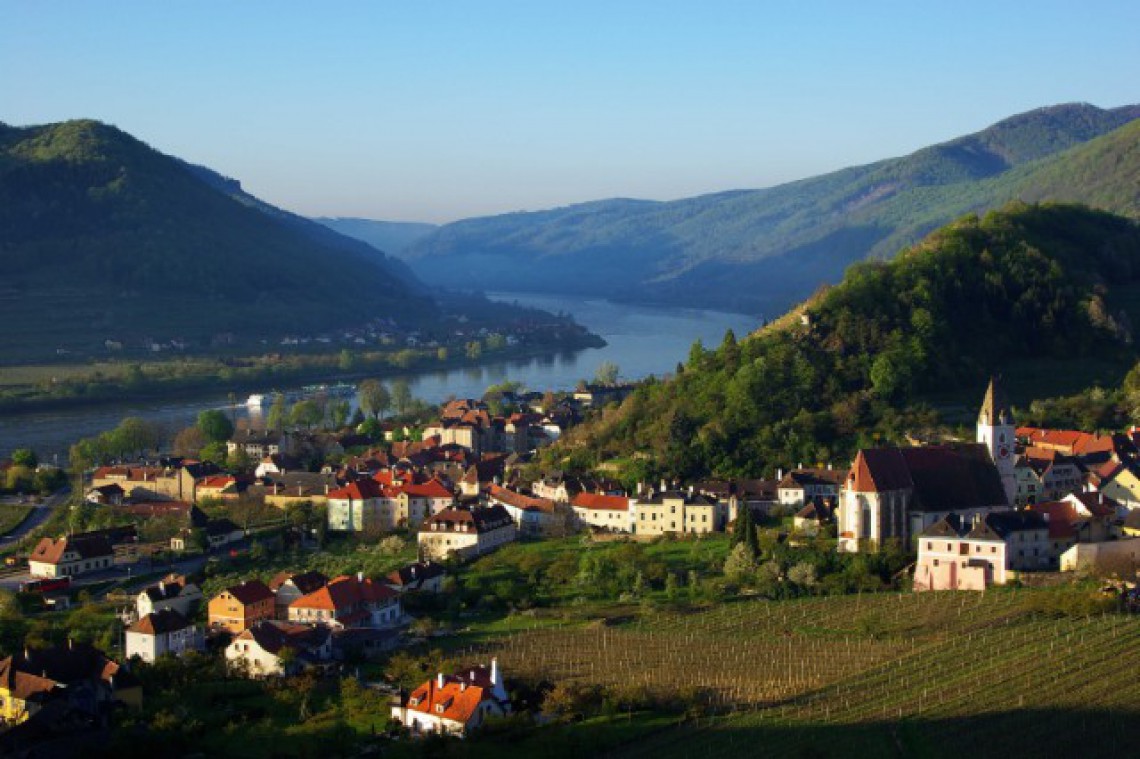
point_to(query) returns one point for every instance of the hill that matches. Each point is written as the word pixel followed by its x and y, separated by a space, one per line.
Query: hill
pixel 390 236
pixel 761 250
pixel 1047 283
pixel 103 237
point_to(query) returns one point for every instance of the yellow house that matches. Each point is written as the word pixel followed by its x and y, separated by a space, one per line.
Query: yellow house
pixel 77 672
pixel 1122 485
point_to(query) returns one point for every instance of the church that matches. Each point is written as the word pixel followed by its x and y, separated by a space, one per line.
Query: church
pixel 896 493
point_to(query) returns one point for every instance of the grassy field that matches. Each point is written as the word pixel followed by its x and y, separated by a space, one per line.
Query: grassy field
pixel 12 514
pixel 880 675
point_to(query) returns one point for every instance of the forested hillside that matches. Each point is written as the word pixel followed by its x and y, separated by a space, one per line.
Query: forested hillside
pixel 762 250
pixel 102 237
pixel 855 362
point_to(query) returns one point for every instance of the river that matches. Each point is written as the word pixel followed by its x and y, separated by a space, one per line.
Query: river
pixel 641 340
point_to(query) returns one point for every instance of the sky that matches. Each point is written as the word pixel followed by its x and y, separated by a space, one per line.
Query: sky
pixel 438 110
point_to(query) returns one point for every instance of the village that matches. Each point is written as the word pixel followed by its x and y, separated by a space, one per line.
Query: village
pixel 1015 506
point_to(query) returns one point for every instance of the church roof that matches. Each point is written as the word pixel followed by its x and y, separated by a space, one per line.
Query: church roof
pixel 995 406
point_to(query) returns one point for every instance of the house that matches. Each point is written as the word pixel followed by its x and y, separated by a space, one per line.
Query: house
pixel 259 444
pixel 1055 475
pixel 974 553
pixel 173 592
pixel 1120 482
pixel 678 511
pixel 349 602
pixel 455 704
pixel 273 647
pixel 814 516
pixel 420 576
pixel 799 486
pixel 288 587
pixel 145 483
pixel 218 487
pixel 239 607
pixel 219 533
pixel 162 632
pixel 283 489
pixel 535 517
pixel 71 556
pixel 105 495
pixel 604 512
pixel 758 495
pixel 1079 518
pixel 1112 557
pixel 466 533
pixel 77 674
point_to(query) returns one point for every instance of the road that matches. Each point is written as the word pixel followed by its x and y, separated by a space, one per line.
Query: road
pixel 39 515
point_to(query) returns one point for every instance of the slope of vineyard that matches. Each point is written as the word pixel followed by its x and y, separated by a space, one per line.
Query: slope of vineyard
pixel 881 675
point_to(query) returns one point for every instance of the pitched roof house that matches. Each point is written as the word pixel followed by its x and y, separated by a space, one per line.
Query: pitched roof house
pixel 171 592
pixel 273 647
pixel 957 553
pixel 349 602
pixel 238 607
pixel 162 632
pixel 71 556
pixel 77 673
pixel 466 532
pixel 420 576
pixel 455 704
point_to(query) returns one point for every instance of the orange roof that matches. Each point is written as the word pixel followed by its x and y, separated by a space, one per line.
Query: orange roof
pixel 520 501
pixel 344 592
pixel 456 700
pixel 432 489
pixel 601 502
pixel 217 481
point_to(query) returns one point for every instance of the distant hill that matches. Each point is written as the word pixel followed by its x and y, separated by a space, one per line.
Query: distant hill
pixel 389 236
pixel 1047 293
pixel 762 250
pixel 103 237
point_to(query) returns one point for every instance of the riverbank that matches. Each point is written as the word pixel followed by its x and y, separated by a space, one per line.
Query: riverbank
pixel 71 387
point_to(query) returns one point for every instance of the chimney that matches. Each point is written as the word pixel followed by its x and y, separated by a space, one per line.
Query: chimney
pixel 326 488
pixel 360 577
pixel 779 473
pixel 494 671
pixel 439 681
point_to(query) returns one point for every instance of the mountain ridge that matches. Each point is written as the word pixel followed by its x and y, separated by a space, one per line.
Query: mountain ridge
pixel 729 247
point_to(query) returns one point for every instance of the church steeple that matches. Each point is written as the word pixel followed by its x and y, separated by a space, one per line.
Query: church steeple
pixel 997 432
pixel 995 408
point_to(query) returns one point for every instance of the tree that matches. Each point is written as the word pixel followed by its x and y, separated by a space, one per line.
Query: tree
pixel 215 452
pixel 474 350
pixel 346 362
pixel 401 395
pixel 374 397
pixel 25 457
pixel 306 413
pixel 135 435
pixel 607 373
pixel 803 575
pixel 744 532
pixel 741 563
pixel 215 425
pixel 238 460
pixel 441 355
pixel 278 413
pixel 189 442
pixel 338 413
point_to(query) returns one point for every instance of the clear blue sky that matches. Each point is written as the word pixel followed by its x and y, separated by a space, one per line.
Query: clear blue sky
pixel 434 110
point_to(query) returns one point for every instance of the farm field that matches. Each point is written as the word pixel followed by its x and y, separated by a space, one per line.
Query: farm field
pixel 926 675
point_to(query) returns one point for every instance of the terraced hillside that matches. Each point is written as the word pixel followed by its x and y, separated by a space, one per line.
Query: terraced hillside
pixel 883 675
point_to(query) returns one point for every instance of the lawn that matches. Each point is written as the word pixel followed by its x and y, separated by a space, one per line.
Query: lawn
pixel 12 514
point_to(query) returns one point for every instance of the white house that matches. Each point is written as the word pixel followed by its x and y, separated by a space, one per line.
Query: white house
pixel 606 512
pixel 272 647
pixel 987 549
pixel 71 556
pixel 172 592
pixel 162 632
pixel 455 704
pixel 534 516
pixel 466 533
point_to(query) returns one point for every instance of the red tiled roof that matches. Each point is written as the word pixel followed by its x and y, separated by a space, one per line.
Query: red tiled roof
pixel 344 593
pixel 879 469
pixel 601 502
pixel 520 501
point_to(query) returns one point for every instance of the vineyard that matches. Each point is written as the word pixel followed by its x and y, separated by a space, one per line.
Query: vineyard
pixel 879 675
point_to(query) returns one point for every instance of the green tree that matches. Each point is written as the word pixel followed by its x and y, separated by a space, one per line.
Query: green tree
pixel 474 350
pixel 25 457
pixel 401 395
pixel 238 460
pixel 744 532
pixel 215 425
pixel 306 413
pixel 346 362
pixel 441 355
pixel 135 435
pixel 741 563
pixel 278 413
pixel 607 373
pixel 214 452
pixel 375 399
pixel 338 413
